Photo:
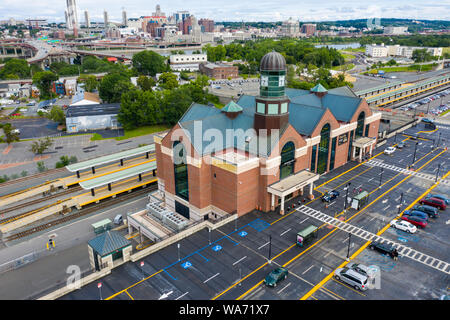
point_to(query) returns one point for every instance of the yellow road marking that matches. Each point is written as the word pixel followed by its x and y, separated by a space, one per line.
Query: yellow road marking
pixel 314 298
pixel 333 293
pixel 124 290
pixel 129 294
pixel 360 293
pixel 321 283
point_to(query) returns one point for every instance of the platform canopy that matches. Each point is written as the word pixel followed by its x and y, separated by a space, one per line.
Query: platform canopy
pixel 118 175
pixel 110 158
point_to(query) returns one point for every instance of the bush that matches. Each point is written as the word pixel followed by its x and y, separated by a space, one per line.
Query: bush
pixel 64 161
pixel 14 176
pixel 24 173
pixel 73 159
pixel 41 167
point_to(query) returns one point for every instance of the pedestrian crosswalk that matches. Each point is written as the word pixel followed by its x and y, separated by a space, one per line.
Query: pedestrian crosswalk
pixel 369 236
pixel 426 176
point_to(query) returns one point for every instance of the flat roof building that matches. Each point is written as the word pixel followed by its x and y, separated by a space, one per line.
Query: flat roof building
pixel 92 117
pixel 219 70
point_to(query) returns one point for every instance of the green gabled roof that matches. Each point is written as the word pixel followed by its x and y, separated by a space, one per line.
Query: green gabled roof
pixel 232 107
pixel 318 88
pixel 108 242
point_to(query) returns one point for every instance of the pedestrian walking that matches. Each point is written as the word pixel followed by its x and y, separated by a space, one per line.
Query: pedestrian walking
pixel 360 190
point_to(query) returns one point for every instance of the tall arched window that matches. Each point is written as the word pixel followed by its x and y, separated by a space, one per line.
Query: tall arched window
pixel 181 170
pixel 360 125
pixel 324 144
pixel 287 160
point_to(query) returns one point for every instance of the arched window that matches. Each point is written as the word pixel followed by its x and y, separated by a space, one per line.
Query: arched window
pixel 360 125
pixel 287 160
pixel 181 170
pixel 324 144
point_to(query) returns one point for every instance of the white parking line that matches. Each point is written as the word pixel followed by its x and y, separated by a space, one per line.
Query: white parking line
pixel 401 160
pixel 304 220
pixel 307 269
pixel 211 277
pixel 284 287
pixel 239 260
pixel 182 295
pixel 285 232
pixel 370 179
pixel 386 208
pixel 332 203
pixel 265 244
pixel 371 219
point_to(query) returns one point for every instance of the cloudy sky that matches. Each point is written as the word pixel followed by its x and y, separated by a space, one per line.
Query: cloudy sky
pixel 234 10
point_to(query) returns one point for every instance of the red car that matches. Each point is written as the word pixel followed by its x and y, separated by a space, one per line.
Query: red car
pixel 434 202
pixel 418 222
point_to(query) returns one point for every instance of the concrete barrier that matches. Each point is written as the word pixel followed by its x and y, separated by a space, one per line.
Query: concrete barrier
pixel 84 281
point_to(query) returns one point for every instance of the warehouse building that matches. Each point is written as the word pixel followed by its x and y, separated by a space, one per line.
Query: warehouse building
pixel 259 151
pixel 92 117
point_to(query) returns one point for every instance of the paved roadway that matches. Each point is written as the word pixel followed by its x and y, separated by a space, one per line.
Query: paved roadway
pixel 232 261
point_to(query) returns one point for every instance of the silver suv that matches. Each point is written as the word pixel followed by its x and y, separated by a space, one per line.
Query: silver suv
pixel 351 277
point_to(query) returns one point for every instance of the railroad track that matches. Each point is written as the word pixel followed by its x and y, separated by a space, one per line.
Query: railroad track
pixel 82 212
pixel 33 202
pixel 34 176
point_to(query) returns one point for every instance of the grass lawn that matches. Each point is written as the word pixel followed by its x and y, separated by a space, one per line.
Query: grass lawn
pixel 412 68
pixel 143 131
pixel 339 68
pixel 219 105
pixel 444 113
pixel 445 50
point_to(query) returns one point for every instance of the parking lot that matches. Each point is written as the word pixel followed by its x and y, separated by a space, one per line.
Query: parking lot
pixel 231 262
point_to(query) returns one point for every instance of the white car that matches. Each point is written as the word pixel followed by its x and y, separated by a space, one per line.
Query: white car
pixel 42 110
pixel 389 150
pixel 404 226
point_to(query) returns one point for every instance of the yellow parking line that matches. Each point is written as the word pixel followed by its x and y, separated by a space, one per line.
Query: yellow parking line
pixel 314 298
pixel 360 293
pixel 324 280
pixel 333 293
pixel 129 294
pixel 124 290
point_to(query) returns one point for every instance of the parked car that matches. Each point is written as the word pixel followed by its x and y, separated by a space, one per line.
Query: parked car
pixel 426 120
pixel 416 213
pixel 351 277
pixel 404 226
pixel 276 276
pixel 384 248
pixel 401 145
pixel 434 202
pixel 438 196
pixel 16 131
pixel 42 110
pixel 330 195
pixel 361 269
pixel 31 103
pixel 389 150
pixel 118 219
pixel 418 222
pixel 429 210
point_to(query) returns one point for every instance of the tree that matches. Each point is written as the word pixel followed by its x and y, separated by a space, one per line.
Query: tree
pixel 38 147
pixel 168 81
pixel 113 85
pixel 10 132
pixel 140 108
pixel 145 83
pixel 421 55
pixel 15 68
pixel 43 80
pixel 149 63
pixel 90 82
pixel 57 114
pixel 40 166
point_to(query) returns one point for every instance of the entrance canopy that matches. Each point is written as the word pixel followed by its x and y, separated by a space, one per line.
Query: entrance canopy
pixel 364 142
pixel 293 183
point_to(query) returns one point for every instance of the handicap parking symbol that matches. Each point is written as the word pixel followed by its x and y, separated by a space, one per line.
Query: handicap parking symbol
pixel 186 265
pixel 217 248
pixel 242 233
pixel 402 239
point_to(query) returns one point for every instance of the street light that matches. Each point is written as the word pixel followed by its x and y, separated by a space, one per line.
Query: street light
pixel 437 173
pixel 348 249
pixel 346 195
pixel 415 149
pixel 401 202
pixel 270 247
pixel 381 177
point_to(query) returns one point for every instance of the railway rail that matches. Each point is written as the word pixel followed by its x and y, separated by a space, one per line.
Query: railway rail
pixel 82 212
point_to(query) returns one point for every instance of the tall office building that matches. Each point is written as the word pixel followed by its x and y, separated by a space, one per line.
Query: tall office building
pixel 72 15
pixel 124 18
pixel 105 18
pixel 68 26
pixel 180 16
pixel 87 21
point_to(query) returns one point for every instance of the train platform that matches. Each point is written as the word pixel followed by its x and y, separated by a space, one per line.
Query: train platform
pixel 82 200
pixel 45 187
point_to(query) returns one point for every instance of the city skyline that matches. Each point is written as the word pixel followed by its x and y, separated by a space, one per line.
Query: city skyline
pixel 266 10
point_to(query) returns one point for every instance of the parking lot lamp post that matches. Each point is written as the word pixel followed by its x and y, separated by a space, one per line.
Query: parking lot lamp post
pixel 270 247
pixel 348 249
pixel 439 140
pixel 415 149
pixel 401 202
pixel 381 177
pixel 437 173
pixel 346 195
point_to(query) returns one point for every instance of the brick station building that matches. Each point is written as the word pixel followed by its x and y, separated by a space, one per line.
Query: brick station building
pixel 259 151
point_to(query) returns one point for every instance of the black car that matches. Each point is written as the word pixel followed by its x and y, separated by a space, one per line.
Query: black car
pixel 384 248
pixel 429 210
pixel 330 195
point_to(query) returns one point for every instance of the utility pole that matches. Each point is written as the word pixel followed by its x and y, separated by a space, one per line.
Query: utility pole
pixel 381 177
pixel 401 202
pixel 439 139
pixel 348 249
pixel 346 195
pixel 270 247
pixel 415 149
pixel 437 173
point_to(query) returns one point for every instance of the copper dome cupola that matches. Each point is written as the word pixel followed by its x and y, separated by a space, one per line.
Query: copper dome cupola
pixel 272 61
